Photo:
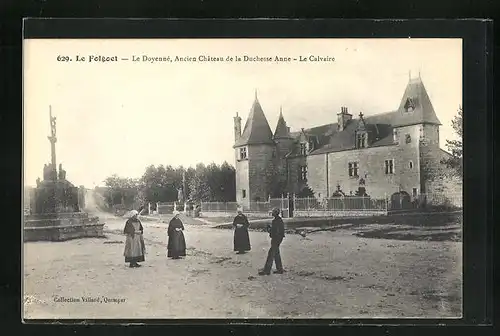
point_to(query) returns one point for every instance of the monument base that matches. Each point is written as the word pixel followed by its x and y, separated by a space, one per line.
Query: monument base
pixel 61 227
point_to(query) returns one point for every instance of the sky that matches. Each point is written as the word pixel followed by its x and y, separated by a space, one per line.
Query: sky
pixel 120 117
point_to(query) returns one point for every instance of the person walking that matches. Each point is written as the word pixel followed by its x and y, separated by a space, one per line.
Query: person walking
pixel 276 233
pixel 241 237
pixel 176 246
pixel 134 242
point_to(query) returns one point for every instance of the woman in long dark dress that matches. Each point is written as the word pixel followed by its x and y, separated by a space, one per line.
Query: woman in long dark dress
pixel 134 242
pixel 241 237
pixel 176 246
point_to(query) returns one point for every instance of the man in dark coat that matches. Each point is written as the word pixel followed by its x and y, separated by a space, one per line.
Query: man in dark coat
pixel 241 237
pixel 176 246
pixel 277 233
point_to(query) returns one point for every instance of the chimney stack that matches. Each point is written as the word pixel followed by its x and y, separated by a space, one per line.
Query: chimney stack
pixel 237 127
pixel 343 118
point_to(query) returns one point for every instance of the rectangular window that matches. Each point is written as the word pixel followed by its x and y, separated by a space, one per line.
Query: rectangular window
pixel 303 149
pixel 244 193
pixel 243 153
pixel 414 192
pixel 389 166
pixel 303 173
pixel 353 169
pixel 408 138
pixel 395 135
pixel 410 164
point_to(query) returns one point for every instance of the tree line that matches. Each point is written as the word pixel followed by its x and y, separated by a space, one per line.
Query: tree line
pixel 161 184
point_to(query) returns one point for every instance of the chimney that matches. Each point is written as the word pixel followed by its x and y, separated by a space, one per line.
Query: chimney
pixel 237 127
pixel 343 118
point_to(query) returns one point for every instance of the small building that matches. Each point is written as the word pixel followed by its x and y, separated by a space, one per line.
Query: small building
pixel 376 155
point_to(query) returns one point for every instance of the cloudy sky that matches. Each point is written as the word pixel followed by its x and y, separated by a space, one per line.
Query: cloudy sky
pixel 120 117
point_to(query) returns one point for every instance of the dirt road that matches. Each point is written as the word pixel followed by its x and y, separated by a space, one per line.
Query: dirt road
pixel 330 275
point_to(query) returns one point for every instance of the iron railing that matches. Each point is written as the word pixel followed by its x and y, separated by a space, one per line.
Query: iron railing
pixel 339 204
pixel 255 207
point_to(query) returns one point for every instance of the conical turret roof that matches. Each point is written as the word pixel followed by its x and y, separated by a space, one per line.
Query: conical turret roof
pixel 257 130
pixel 281 128
pixel 415 97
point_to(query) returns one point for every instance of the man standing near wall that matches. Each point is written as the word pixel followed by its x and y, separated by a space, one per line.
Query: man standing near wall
pixel 277 233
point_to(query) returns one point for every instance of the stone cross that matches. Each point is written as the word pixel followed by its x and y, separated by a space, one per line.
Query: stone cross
pixel 52 138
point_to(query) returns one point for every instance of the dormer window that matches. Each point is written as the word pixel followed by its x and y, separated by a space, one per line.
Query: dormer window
pixel 410 105
pixel 361 140
pixel 303 148
pixel 243 153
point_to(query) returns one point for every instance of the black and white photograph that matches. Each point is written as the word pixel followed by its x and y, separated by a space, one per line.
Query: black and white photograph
pixel 251 178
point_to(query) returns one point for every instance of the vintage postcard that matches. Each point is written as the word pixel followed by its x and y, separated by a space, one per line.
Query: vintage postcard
pixel 242 178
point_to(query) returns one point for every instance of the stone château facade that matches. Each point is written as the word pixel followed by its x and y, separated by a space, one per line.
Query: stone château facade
pixel 376 155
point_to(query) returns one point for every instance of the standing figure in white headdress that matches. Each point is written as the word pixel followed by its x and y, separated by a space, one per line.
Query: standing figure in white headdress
pixel 134 243
pixel 241 236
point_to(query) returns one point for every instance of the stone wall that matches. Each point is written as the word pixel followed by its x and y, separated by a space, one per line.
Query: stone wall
pixel 438 179
pixel 317 178
pixel 371 167
pixel 283 147
pixel 260 168
pixel 242 182
pixel 294 184
pixel 60 227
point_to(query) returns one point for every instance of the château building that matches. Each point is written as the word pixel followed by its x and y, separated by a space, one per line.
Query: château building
pixel 376 155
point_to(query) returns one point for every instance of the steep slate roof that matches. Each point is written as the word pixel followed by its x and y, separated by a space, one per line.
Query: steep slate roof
pixel 257 130
pixel 379 126
pixel 423 112
pixel 281 128
pixel 331 140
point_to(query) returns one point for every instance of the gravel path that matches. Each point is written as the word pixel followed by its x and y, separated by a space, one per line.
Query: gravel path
pixel 329 275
